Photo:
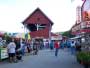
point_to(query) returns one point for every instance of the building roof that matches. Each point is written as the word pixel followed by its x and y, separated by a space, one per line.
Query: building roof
pixel 53 34
pixel 35 16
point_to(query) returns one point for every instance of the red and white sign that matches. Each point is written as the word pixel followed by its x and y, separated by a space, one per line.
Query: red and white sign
pixel 85 30
pixel 86 10
pixel 88 24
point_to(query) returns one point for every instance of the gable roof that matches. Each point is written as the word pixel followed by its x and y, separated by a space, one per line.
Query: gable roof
pixel 37 10
pixel 53 34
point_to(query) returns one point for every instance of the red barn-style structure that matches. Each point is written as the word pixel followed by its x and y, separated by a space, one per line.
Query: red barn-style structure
pixel 39 25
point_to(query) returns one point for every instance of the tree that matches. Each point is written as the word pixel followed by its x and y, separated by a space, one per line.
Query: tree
pixel 68 34
pixel 7 38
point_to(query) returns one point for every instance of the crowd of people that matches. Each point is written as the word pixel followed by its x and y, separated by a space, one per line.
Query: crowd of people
pixel 17 49
pixel 74 46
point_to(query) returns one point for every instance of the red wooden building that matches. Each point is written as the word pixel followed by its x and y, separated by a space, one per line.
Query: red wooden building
pixel 39 25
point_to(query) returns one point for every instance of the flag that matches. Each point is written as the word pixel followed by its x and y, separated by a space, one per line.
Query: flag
pixel 23 35
pixel 26 36
pixel 29 36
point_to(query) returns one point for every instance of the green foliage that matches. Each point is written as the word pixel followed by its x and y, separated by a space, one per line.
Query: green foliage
pixel 83 56
pixel 7 38
pixel 68 34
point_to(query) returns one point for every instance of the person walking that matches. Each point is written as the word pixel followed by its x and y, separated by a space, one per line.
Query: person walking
pixel 22 44
pixel 28 46
pixel 78 46
pixel 35 47
pixel 73 47
pixel 19 49
pixel 51 45
pixel 11 51
pixel 56 45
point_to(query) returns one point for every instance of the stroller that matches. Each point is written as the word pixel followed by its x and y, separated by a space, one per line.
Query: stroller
pixel 19 54
pixel 35 49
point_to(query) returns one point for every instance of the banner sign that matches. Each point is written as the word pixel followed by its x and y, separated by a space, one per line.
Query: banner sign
pixel 4 53
pixel 86 10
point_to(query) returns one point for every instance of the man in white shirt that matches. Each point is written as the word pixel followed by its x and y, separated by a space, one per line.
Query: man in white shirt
pixel 11 51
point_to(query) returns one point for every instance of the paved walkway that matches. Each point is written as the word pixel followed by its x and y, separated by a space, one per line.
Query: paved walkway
pixel 45 59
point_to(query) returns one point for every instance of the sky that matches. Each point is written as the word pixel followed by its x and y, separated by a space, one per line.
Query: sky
pixel 14 12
